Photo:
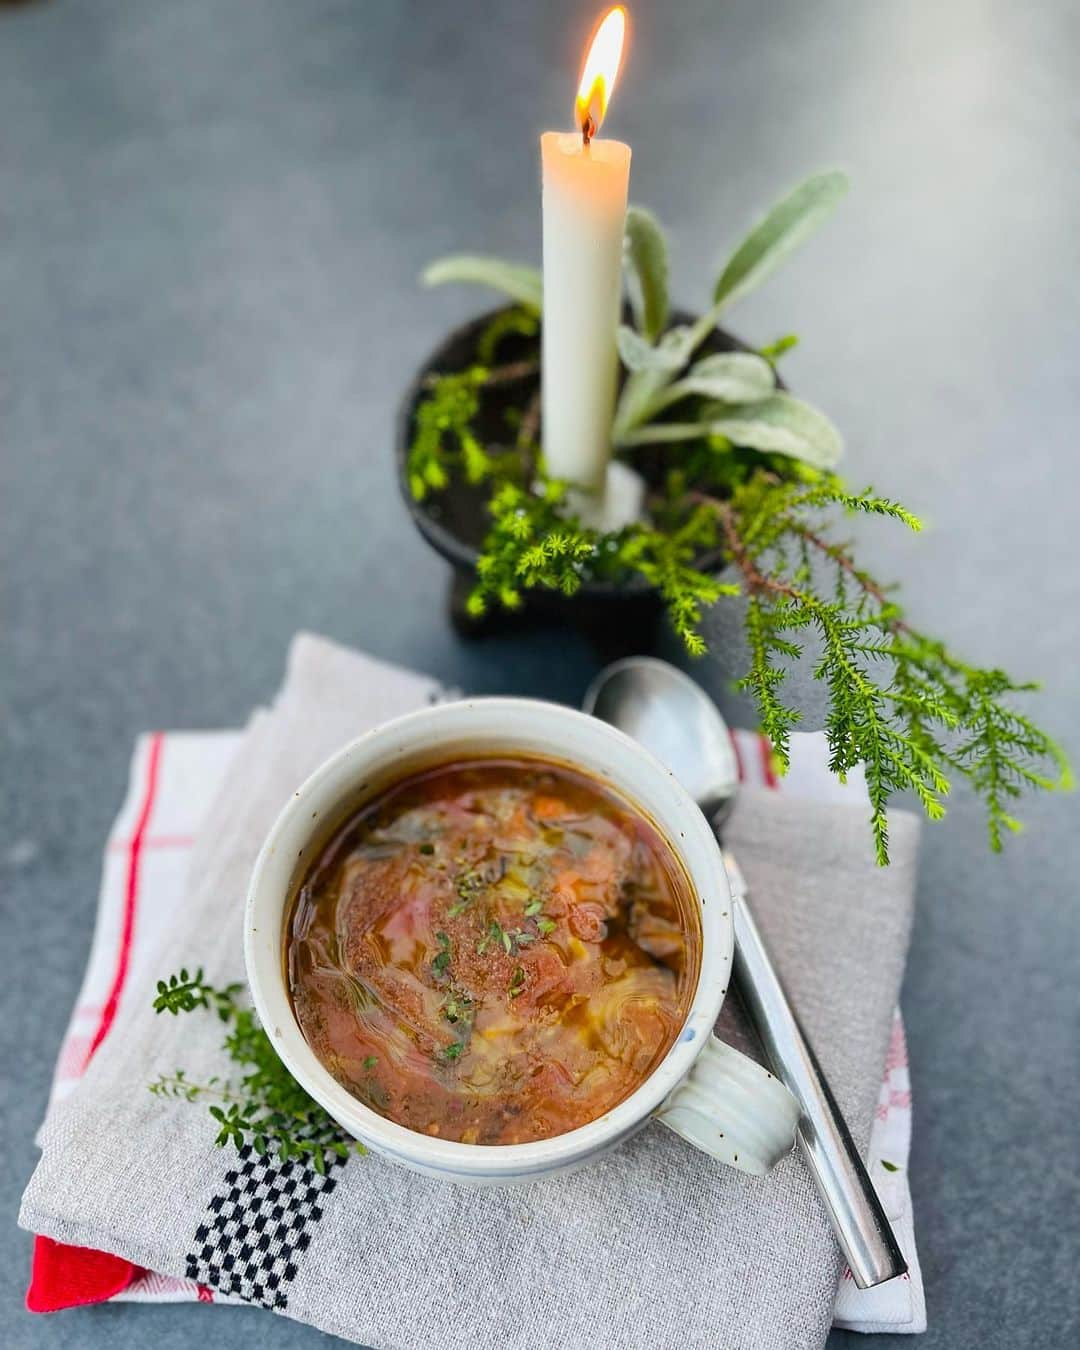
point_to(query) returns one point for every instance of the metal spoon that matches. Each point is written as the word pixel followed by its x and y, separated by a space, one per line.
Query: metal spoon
pixel 670 715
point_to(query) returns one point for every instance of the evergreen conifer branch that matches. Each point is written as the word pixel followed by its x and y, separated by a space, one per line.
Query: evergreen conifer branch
pixel 899 704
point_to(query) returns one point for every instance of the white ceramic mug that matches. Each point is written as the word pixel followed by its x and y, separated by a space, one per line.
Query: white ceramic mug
pixel 713 1096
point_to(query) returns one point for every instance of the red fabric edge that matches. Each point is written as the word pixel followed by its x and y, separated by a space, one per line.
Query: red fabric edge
pixel 71 1277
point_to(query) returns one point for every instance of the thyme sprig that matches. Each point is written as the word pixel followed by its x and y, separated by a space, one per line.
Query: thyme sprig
pixel 264 1107
pixel 184 993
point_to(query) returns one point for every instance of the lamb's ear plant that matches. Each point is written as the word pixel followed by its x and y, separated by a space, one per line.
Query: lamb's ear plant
pixel 745 507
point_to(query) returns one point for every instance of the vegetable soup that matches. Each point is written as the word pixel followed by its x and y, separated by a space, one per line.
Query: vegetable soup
pixel 493 951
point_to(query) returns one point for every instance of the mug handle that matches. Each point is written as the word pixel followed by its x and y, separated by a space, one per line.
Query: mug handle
pixel 732 1108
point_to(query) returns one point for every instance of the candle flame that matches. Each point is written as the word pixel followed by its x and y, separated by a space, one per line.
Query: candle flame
pixel 598 76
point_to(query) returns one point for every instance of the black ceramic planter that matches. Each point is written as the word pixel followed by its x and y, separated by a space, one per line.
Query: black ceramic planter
pixel 619 618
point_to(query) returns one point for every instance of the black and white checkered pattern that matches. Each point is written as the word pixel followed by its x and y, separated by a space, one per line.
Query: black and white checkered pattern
pixel 256 1231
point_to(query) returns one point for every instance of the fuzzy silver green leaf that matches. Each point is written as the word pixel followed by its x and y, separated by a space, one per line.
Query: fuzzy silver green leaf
pixel 638 354
pixel 782 230
pixel 727 377
pixel 778 425
pixel 646 256
pixel 521 283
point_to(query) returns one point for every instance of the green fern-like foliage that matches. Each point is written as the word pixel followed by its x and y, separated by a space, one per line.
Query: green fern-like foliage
pixel 900 705
pixel 535 542
pixel 530 544
pixel 444 439
pixel 669 561
pixel 746 506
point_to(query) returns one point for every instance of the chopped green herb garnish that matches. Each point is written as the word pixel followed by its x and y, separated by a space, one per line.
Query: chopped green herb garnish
pixel 468 885
pixel 441 961
pixel 517 981
pixel 452 1051
pixel 509 941
pixel 495 933
pixel 370 1062
pixel 889 1166
pixel 533 907
pixel 427 849
pixel 458 1007
pixel 546 926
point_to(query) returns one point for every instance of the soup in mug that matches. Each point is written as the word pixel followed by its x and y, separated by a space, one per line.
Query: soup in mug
pixel 493 951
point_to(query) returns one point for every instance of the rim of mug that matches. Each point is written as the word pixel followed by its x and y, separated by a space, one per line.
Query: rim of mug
pixel 423 735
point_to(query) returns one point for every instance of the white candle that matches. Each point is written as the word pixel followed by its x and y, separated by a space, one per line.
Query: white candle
pixel 585 183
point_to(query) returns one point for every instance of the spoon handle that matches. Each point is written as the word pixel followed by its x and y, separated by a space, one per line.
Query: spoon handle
pixel 858 1219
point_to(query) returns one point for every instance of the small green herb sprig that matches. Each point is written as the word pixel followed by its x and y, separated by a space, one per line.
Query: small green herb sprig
pixel 746 507
pixel 184 993
pixel 264 1106
pixel 458 1005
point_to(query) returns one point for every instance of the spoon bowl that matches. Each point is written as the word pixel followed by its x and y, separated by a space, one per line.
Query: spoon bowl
pixel 668 713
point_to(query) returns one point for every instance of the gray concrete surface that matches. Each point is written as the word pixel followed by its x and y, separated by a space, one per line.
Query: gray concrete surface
pixel 212 215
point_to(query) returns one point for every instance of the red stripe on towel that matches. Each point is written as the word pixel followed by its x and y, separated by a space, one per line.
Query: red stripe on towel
pixel 62 1276
pixel 131 894
pixel 740 767
pixel 155 841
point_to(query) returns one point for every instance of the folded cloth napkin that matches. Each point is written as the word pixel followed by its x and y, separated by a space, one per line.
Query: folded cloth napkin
pixel 654 1245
